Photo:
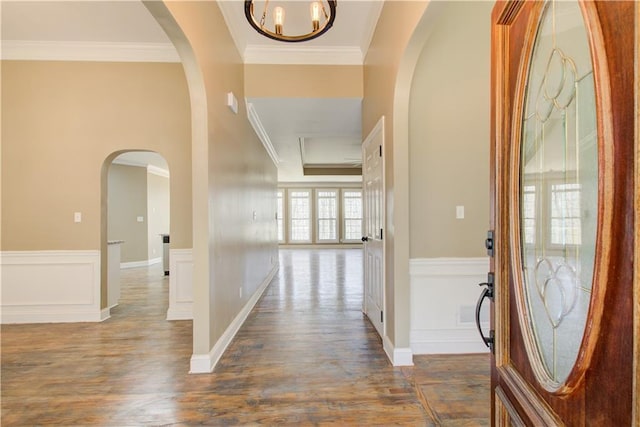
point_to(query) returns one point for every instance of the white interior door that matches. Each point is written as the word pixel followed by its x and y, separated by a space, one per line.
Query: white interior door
pixel 373 186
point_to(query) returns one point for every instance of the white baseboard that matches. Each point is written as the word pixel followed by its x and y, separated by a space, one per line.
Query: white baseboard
pixel 138 264
pixel 398 356
pixel 180 284
pixel 447 342
pixel 50 286
pixel 444 292
pixel 204 363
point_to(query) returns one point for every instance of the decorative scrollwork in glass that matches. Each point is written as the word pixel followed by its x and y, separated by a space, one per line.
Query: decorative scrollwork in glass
pixel 558 188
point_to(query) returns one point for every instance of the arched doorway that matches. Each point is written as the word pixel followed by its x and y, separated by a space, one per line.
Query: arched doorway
pixel 135 221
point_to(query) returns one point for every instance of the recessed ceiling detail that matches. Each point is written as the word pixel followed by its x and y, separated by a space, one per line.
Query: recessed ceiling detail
pixel 316 140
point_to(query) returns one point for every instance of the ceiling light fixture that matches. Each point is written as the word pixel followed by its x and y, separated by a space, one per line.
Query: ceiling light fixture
pixel 321 20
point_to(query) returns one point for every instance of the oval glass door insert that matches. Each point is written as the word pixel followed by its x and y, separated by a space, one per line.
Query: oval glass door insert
pixel 558 189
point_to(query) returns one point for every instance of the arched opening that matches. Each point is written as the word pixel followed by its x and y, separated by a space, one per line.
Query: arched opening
pixel 135 222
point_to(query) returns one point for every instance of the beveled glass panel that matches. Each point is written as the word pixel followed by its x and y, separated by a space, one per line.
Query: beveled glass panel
pixel 558 188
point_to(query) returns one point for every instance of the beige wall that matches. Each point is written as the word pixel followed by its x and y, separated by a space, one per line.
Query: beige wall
pixel 449 135
pixel 385 79
pixel 61 121
pixel 158 218
pixel 303 81
pixel 127 193
pixel 233 176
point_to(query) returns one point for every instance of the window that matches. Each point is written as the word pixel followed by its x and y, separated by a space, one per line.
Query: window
pixel 327 215
pixel 352 215
pixel 529 214
pixel 280 216
pixel 319 215
pixel 565 214
pixel 299 216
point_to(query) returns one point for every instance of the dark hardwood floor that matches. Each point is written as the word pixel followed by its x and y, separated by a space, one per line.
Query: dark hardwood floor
pixel 305 356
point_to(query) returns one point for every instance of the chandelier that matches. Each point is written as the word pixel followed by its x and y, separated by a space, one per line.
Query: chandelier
pixel 321 20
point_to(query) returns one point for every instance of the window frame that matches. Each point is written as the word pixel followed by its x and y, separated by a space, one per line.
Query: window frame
pixel 283 220
pixel 317 218
pixel 290 218
pixel 343 218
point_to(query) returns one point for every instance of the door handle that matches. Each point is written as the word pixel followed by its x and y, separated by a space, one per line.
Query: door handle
pixel 486 293
pixel 365 239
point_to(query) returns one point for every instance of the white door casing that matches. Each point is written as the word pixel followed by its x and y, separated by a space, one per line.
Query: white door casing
pixel 374 208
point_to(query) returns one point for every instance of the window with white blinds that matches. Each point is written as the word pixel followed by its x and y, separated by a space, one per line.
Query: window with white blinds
pixel 300 216
pixel 280 216
pixel 352 215
pixel 327 215
pixel 319 215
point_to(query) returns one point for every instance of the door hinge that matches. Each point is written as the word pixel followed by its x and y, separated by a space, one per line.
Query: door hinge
pixel 381 234
pixel 381 317
pixel 380 147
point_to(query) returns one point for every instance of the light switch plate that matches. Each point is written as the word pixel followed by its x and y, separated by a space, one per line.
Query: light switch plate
pixel 140 219
pixel 459 212
pixel 77 217
pixel 232 102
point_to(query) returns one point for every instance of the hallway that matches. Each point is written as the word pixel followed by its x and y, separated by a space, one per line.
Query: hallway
pixel 305 356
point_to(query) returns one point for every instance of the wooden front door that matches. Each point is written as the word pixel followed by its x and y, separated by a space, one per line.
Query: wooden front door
pixel 563 212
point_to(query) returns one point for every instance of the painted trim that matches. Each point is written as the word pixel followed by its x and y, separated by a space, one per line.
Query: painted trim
pixel 88 51
pixel 105 314
pixel 50 286
pixel 205 363
pixel 155 170
pixel 307 55
pixel 398 356
pixel 256 123
pixel 180 284
pixel 448 266
pixel 451 285
pixel 137 264
pixel 446 341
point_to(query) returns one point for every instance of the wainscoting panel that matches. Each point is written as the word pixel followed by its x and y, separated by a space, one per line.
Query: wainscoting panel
pixel 180 284
pixel 50 286
pixel 444 292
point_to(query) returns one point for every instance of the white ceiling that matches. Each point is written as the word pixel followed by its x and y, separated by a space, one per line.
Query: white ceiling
pixel 345 43
pixel 142 158
pixel 87 21
pixel 39 29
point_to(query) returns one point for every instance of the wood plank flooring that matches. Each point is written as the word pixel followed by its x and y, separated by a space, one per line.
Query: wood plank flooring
pixel 305 356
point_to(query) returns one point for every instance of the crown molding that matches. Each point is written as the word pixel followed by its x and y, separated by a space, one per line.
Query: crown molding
pixel 88 51
pixel 307 55
pixel 254 119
